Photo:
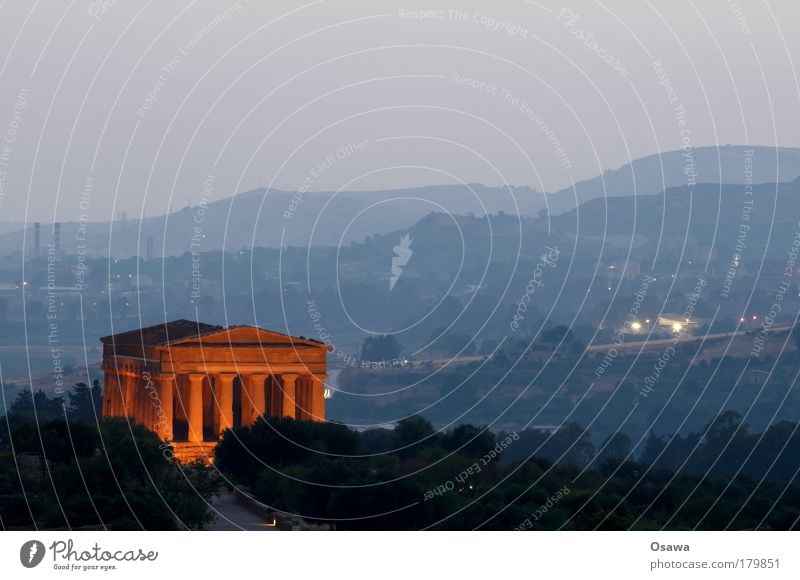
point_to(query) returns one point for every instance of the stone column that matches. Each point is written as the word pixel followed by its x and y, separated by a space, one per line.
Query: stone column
pixel 106 410
pixel 248 409
pixel 147 385
pixel 129 394
pixel 256 391
pixel 223 388
pixel 118 401
pixel 166 386
pixel 144 386
pixel 274 396
pixel 196 407
pixel 289 407
pixel 317 405
pixel 143 408
pixel 117 394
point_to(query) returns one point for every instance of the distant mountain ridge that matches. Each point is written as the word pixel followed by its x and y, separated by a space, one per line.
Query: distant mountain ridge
pixel 655 173
pixel 272 218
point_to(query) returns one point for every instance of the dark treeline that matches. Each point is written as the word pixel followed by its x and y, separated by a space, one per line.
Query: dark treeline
pixel 726 447
pixel 470 478
pixel 61 468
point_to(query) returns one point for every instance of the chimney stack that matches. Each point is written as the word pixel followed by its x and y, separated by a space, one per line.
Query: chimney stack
pixel 37 227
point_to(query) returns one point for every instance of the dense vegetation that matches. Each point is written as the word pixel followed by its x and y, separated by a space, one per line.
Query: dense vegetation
pixel 415 478
pixel 61 469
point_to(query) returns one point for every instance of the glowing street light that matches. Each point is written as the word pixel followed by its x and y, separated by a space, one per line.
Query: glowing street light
pixel 636 326
pixel 677 327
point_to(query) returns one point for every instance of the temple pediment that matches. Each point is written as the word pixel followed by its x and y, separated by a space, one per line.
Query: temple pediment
pixel 187 333
pixel 246 336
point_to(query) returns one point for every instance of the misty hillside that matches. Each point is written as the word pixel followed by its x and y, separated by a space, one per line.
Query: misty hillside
pixel 655 173
pixel 691 232
pixel 273 218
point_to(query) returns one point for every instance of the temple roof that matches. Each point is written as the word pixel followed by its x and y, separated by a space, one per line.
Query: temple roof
pixel 187 332
pixel 160 333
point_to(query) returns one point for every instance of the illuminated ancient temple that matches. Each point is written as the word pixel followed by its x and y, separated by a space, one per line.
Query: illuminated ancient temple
pixel 189 381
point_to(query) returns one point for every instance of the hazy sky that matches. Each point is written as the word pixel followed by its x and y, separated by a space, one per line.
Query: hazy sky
pixel 143 101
